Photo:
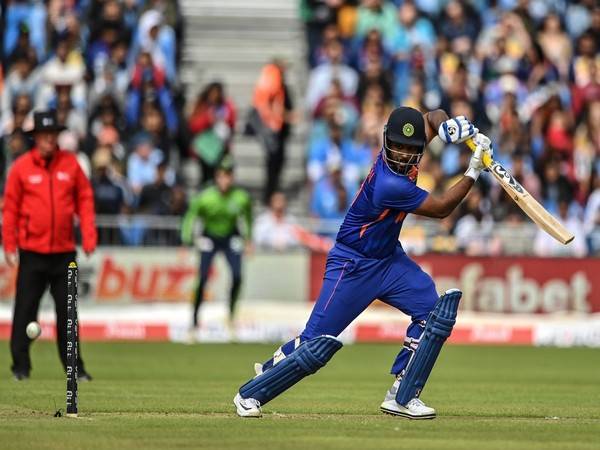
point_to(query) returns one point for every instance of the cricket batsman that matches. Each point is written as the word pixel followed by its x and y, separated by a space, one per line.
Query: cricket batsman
pixel 368 263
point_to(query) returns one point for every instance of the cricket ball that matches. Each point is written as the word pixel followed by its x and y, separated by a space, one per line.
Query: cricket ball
pixel 33 330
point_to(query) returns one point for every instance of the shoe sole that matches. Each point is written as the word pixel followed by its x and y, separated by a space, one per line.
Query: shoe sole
pixel 407 416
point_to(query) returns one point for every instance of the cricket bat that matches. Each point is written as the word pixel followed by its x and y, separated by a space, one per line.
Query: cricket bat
pixel 524 200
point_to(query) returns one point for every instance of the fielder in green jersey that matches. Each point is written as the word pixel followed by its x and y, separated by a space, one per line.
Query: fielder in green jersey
pixel 226 215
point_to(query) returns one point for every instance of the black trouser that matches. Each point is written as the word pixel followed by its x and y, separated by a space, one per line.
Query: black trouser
pixel 36 272
pixel 232 248
pixel 273 143
pixel 275 161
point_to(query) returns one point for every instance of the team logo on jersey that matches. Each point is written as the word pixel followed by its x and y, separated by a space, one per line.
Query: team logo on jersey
pixel 408 130
pixel 62 176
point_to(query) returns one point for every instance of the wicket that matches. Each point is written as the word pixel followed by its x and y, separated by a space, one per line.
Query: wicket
pixel 72 341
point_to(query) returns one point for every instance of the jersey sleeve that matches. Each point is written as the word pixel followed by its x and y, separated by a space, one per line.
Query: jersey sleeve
pixel 399 193
pixel 194 211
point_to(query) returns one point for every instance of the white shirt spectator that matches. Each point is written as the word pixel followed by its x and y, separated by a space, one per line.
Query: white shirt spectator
pixel 319 82
pixel 275 229
pixel 592 212
pixel 142 165
pixel 476 236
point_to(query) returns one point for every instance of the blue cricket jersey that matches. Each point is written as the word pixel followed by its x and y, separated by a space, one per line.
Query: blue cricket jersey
pixel 373 222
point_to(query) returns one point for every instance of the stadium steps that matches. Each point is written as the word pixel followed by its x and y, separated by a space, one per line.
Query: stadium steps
pixel 230 41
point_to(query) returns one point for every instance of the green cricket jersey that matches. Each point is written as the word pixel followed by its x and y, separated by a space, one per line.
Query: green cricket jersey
pixel 219 213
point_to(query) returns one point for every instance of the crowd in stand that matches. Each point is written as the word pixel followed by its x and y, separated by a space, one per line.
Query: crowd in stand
pixel 527 72
pixel 110 70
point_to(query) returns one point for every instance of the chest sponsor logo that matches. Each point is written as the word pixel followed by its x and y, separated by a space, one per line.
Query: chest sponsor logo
pixel 62 176
pixel 514 184
pixel 35 179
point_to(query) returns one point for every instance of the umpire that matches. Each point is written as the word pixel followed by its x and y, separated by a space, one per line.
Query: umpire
pixel 44 192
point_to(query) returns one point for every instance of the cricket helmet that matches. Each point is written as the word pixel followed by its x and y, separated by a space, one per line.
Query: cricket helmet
pixel 405 127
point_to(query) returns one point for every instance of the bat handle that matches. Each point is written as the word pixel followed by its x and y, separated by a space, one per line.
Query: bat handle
pixel 487 160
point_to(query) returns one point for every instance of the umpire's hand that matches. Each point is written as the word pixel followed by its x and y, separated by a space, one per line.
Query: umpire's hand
pixel 12 259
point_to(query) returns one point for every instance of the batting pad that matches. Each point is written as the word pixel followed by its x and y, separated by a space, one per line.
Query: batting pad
pixel 437 329
pixel 309 357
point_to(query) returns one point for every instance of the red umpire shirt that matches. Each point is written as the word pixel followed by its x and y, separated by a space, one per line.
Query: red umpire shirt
pixel 40 201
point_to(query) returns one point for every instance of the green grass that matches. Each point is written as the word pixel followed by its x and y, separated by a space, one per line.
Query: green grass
pixel 170 396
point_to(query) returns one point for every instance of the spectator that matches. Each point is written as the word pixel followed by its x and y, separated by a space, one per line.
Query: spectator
pixel 113 77
pixel 474 228
pixel 107 14
pixel 110 193
pixel 521 169
pixel 143 163
pixel 318 17
pixel 162 199
pixel 68 141
pixel 106 128
pixel 335 150
pixel 212 125
pixel 460 30
pixel 100 44
pixel 65 68
pixel 21 115
pixel 585 74
pixel 25 28
pixel 271 120
pixel 536 69
pixel 319 55
pixel 23 78
pixel 338 108
pixel 157 197
pixel 555 186
pixel 275 229
pixel 374 74
pixel 158 39
pixel 67 114
pixel 331 198
pixel 556 43
pixel 376 14
pixel 153 125
pixel 13 146
pixel 148 85
pixel 586 155
pixel 413 36
pixel 591 222
pixel 322 76
pixel 371 48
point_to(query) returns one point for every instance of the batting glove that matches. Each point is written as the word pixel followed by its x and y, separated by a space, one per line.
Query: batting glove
pixel 456 129
pixel 476 164
pixel 485 143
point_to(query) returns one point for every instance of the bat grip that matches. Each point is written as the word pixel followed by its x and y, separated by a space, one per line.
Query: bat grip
pixel 487 160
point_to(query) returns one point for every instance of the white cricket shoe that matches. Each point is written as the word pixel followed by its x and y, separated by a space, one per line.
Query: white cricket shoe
pixel 247 407
pixel 415 409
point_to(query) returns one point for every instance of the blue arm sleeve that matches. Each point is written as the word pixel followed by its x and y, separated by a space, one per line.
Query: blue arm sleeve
pixel 399 193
